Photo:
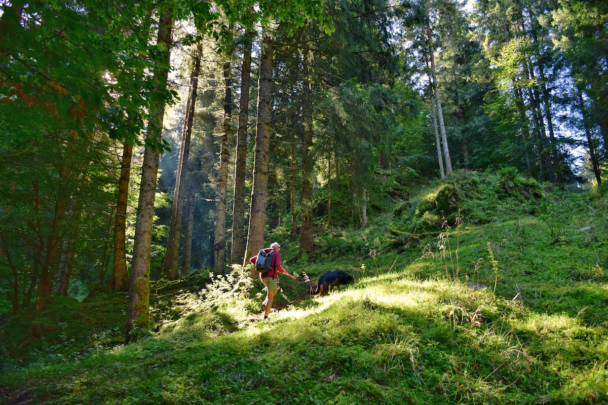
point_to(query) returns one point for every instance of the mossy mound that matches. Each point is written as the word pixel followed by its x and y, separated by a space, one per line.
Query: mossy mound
pixel 512 184
pixel 437 206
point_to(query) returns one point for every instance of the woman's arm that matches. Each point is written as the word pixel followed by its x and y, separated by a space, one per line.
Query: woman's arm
pixel 282 270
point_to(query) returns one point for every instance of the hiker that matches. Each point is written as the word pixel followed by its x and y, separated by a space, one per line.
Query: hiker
pixel 269 278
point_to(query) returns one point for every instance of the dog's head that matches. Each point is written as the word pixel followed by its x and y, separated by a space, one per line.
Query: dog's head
pixel 349 279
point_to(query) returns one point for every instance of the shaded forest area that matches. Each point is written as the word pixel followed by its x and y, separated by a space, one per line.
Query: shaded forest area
pixel 151 146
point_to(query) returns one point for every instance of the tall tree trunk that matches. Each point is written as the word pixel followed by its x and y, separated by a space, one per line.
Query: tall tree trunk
pixel 27 299
pixel 446 150
pixel 590 143
pixel 546 97
pixel 364 209
pixel 106 251
pixel 238 210
pixel 539 137
pixel 138 315
pixel 171 262
pixel 306 237
pixel 437 140
pixel 62 269
pixel 519 101
pixel 257 213
pixel 219 246
pixel 38 249
pixel 294 217
pixel 45 288
pixel 120 277
pixel 329 190
pixel 15 282
pixel 187 253
pixel 540 122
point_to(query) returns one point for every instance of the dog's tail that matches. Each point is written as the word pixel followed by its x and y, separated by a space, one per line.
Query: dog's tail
pixel 319 289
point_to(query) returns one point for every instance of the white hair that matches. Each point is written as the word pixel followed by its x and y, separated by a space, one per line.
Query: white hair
pixel 275 245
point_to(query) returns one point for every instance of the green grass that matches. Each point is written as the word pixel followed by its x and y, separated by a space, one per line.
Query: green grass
pixel 415 334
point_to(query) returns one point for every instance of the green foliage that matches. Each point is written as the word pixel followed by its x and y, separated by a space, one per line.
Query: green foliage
pixel 410 332
pixel 512 184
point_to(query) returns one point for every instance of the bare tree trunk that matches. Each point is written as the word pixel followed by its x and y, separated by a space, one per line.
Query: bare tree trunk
pixel 171 262
pixel 437 140
pixel 257 213
pixel 45 288
pixel 364 209
pixel 30 292
pixel 329 190
pixel 238 210
pixel 120 277
pixel 62 269
pixel 540 123
pixel 557 172
pixel 138 315
pixel 106 252
pixel 219 246
pixel 306 237
pixel 590 143
pixel 187 253
pixel 38 249
pixel 519 101
pixel 446 150
pixel 294 217
pixel 15 282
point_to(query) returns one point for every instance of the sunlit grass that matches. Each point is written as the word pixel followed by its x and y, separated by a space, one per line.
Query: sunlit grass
pixel 410 334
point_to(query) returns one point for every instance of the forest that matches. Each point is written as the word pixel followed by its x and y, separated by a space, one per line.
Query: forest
pixel 449 155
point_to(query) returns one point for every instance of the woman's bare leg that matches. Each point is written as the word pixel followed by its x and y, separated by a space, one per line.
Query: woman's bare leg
pixel 268 302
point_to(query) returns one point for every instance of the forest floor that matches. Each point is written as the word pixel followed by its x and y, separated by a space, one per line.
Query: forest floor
pixel 510 309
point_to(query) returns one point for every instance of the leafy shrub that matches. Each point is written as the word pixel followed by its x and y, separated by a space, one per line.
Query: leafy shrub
pixel 443 202
pixel 333 245
pixel 512 184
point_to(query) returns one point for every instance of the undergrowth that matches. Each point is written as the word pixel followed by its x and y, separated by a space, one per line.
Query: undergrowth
pixel 503 303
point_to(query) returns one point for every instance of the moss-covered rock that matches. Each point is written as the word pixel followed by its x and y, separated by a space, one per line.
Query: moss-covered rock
pixel 447 200
pixel 437 205
pixel 512 184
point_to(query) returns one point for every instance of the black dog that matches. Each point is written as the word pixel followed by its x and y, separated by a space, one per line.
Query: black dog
pixel 332 279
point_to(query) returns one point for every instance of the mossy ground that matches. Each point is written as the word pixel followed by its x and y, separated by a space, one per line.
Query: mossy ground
pixel 409 331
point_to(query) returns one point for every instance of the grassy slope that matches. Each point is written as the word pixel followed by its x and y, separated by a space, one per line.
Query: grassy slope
pixel 410 335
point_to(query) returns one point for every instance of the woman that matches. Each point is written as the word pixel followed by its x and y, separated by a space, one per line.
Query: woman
pixel 269 278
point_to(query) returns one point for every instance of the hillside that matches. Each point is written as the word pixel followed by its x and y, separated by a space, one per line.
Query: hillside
pixel 504 304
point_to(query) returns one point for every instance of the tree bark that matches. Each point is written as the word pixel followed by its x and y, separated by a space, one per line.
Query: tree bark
pixel 294 217
pixel 187 253
pixel 546 98
pixel 437 140
pixel 590 143
pixel 238 210
pixel 120 276
pixel 45 288
pixel 15 283
pixel 306 236
pixel 138 315
pixel 257 213
pixel 106 251
pixel 519 101
pixel 329 190
pixel 364 209
pixel 171 262
pixel 540 123
pixel 219 246
pixel 446 150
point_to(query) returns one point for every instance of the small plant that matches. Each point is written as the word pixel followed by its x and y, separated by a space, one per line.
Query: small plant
pixel 373 253
pixel 494 263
